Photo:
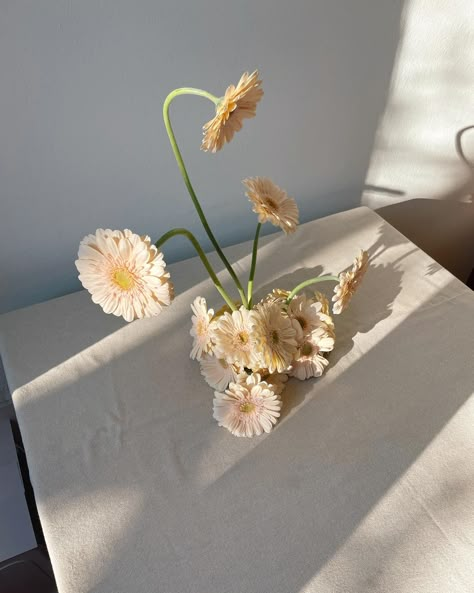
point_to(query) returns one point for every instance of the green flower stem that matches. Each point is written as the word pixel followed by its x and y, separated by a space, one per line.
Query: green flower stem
pixel 309 283
pixel 202 255
pixel 184 173
pixel 253 266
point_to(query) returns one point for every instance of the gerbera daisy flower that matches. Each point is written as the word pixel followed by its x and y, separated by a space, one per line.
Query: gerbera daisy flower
pixel 124 273
pixel 277 295
pixel 217 372
pixel 272 203
pixel 274 335
pixel 277 382
pixel 232 337
pixel 306 312
pixel 247 409
pixel 238 103
pixel 349 282
pixel 200 331
pixel 309 361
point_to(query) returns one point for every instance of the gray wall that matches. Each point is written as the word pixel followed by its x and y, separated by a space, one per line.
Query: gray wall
pixel 82 144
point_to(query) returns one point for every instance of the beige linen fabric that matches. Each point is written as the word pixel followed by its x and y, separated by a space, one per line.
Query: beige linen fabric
pixel 366 484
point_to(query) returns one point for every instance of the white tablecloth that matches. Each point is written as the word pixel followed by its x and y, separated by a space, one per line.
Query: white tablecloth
pixel 365 485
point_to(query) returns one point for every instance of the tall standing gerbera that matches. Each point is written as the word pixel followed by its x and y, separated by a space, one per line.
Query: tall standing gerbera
pixel 275 337
pixel 272 203
pixel 349 282
pixel 248 408
pixel 238 103
pixel 200 330
pixel 124 273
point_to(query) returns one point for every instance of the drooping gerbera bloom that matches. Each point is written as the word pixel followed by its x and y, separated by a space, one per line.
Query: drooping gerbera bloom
pixel 200 331
pixel 275 337
pixel 309 361
pixel 232 337
pixel 217 372
pixel 247 409
pixel 272 203
pixel 349 282
pixel 238 103
pixel 124 273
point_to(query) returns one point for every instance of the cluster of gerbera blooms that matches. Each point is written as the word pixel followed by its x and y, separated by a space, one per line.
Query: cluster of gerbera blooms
pixel 246 356
pixel 246 352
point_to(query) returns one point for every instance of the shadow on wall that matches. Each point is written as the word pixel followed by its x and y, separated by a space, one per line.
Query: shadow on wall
pixel 442 227
pixel 424 149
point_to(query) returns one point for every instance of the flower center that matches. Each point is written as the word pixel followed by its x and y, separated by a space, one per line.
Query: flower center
pixel 243 338
pixel 275 338
pixel 302 322
pixel 307 349
pixel 247 407
pixel 123 278
pixel 271 203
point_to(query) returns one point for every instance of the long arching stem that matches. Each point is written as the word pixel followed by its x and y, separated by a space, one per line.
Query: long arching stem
pixel 202 255
pixel 253 265
pixel 184 173
pixel 308 283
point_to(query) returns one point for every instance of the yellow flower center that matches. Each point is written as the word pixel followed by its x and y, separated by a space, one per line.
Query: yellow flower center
pixel 247 407
pixel 307 349
pixel 275 338
pixel 123 278
pixel 243 338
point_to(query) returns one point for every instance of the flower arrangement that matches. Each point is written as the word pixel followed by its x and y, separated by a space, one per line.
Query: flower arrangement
pixel 246 351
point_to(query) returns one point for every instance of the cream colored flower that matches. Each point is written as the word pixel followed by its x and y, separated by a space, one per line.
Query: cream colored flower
pixel 306 312
pixel 200 330
pixel 275 337
pixel 319 297
pixel 272 203
pixel 277 382
pixel 277 295
pixel 232 336
pixel 324 310
pixel 238 103
pixel 349 282
pixel 309 361
pixel 217 372
pixel 124 273
pixel 247 409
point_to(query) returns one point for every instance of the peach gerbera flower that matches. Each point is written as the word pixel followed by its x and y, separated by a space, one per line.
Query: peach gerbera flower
pixel 124 273
pixel 272 203
pixel 248 408
pixel 200 329
pixel 233 340
pixel 275 337
pixel 238 103
pixel 217 372
pixel 349 282
pixel 309 361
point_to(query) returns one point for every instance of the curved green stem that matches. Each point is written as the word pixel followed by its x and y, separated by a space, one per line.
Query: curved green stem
pixel 253 266
pixel 308 283
pixel 202 255
pixel 187 181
